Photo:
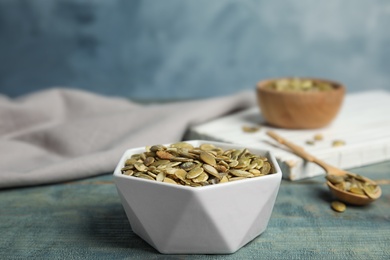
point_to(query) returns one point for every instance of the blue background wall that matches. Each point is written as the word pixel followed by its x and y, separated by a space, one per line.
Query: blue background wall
pixel 190 49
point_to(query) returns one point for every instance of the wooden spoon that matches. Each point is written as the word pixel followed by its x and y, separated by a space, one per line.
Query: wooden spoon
pixel 345 196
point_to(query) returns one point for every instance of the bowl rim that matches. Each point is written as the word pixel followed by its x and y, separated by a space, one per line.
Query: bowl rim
pixel 336 86
pixel 270 155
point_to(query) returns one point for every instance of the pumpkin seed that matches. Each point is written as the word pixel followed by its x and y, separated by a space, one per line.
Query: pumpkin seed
pixel 183 145
pixel 207 158
pixel 250 129
pixel 160 177
pixel 224 179
pixel 338 206
pixel 164 155
pixel 140 167
pixel 241 173
pixel 337 143
pixel 148 161
pixel 194 173
pixel 266 168
pixel 169 180
pixel 211 170
pixel 201 178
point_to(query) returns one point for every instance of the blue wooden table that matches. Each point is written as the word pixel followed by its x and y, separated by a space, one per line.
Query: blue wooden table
pixel 84 219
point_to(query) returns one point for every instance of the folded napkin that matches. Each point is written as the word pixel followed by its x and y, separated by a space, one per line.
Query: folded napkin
pixel 65 134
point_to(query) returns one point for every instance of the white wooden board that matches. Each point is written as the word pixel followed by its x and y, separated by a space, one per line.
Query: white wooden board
pixel 363 123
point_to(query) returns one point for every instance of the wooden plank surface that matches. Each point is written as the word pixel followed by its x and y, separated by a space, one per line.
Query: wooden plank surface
pixel 85 220
pixel 363 124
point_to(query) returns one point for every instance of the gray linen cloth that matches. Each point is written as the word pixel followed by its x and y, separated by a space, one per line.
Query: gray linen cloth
pixel 64 134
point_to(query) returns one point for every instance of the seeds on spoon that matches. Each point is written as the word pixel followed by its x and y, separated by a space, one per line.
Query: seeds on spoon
pixel 355 184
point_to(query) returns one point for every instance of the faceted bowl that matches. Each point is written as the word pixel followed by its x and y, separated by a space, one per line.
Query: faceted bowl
pixel 214 219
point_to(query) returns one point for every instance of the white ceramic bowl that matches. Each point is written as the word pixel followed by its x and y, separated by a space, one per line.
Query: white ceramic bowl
pixel 214 219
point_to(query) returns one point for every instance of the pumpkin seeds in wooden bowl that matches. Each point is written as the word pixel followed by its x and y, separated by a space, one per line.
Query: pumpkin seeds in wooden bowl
pixel 299 103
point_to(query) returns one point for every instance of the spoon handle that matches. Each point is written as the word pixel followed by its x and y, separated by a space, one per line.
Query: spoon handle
pixel 302 153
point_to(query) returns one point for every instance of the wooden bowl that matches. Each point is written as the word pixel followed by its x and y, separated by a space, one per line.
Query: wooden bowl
pixel 299 109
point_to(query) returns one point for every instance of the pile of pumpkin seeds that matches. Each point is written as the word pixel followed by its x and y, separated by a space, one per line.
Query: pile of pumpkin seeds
pixel 182 163
pixel 353 183
pixel 300 84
